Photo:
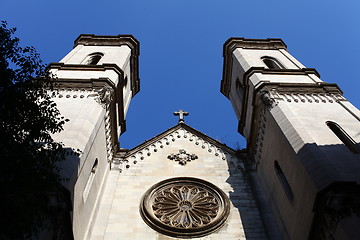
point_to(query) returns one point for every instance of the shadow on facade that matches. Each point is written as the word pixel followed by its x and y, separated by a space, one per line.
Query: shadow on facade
pixel 332 169
pixel 335 171
pixel 242 198
pixel 59 223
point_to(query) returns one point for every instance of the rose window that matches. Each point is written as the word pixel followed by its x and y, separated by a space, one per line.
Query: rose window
pixel 185 207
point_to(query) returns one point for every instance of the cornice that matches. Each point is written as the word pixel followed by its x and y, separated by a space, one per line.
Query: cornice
pixel 83 67
pixel 237 42
pixel 302 71
pixel 82 84
pixel 108 40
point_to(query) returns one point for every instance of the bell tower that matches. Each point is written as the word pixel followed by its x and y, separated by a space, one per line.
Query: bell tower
pixel 302 137
pixel 94 84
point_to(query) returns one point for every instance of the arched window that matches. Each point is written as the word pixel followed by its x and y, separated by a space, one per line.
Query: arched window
pixel 125 81
pixel 239 86
pixel 272 63
pixel 90 180
pixel 93 58
pixel 343 136
pixel 94 167
pixel 285 184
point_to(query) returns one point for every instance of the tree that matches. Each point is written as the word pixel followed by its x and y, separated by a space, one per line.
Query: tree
pixel 29 156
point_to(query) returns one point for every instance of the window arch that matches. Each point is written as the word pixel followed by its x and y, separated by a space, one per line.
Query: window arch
pixel 125 81
pixel 95 165
pixel 93 58
pixel 272 63
pixel 285 184
pixel 343 136
pixel 90 180
pixel 239 86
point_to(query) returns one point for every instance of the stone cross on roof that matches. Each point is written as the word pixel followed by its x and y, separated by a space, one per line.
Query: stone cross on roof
pixel 181 115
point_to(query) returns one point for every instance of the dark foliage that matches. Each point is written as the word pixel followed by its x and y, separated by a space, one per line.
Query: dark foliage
pixel 28 154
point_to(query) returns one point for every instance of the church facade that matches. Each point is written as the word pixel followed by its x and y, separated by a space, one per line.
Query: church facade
pixel 297 179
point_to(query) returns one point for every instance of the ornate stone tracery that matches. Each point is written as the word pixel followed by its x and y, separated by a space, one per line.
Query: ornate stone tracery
pixel 185 207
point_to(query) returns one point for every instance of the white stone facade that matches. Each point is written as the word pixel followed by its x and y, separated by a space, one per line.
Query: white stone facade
pixel 303 138
pixel 94 98
pixel 119 216
pixel 302 157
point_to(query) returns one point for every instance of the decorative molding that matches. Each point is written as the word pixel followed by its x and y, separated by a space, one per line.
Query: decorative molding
pixel 185 207
pixel 182 157
pixel 267 99
pixel 236 42
pixel 108 126
pixel 107 40
pixel 305 97
pixel 282 71
pixel 300 88
pixel 256 159
pixel 272 97
pixel 83 67
pixel 104 96
pixel 167 138
pixel 72 93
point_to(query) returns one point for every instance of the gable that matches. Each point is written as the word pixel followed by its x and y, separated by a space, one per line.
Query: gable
pixel 172 141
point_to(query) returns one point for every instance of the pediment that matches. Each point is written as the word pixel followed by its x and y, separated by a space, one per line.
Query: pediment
pixel 189 138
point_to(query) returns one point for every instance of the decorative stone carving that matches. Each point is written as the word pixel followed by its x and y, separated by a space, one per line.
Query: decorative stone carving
pixel 267 99
pixel 273 96
pixel 257 155
pixel 158 144
pixel 188 208
pixel 105 96
pixel 185 207
pixel 70 93
pixel 182 157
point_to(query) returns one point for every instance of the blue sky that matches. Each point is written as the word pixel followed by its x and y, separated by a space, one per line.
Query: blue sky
pixel 181 49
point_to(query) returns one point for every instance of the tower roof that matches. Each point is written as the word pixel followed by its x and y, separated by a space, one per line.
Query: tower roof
pixel 238 42
pixel 108 40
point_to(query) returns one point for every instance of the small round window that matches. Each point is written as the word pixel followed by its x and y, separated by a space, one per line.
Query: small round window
pixel 185 207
